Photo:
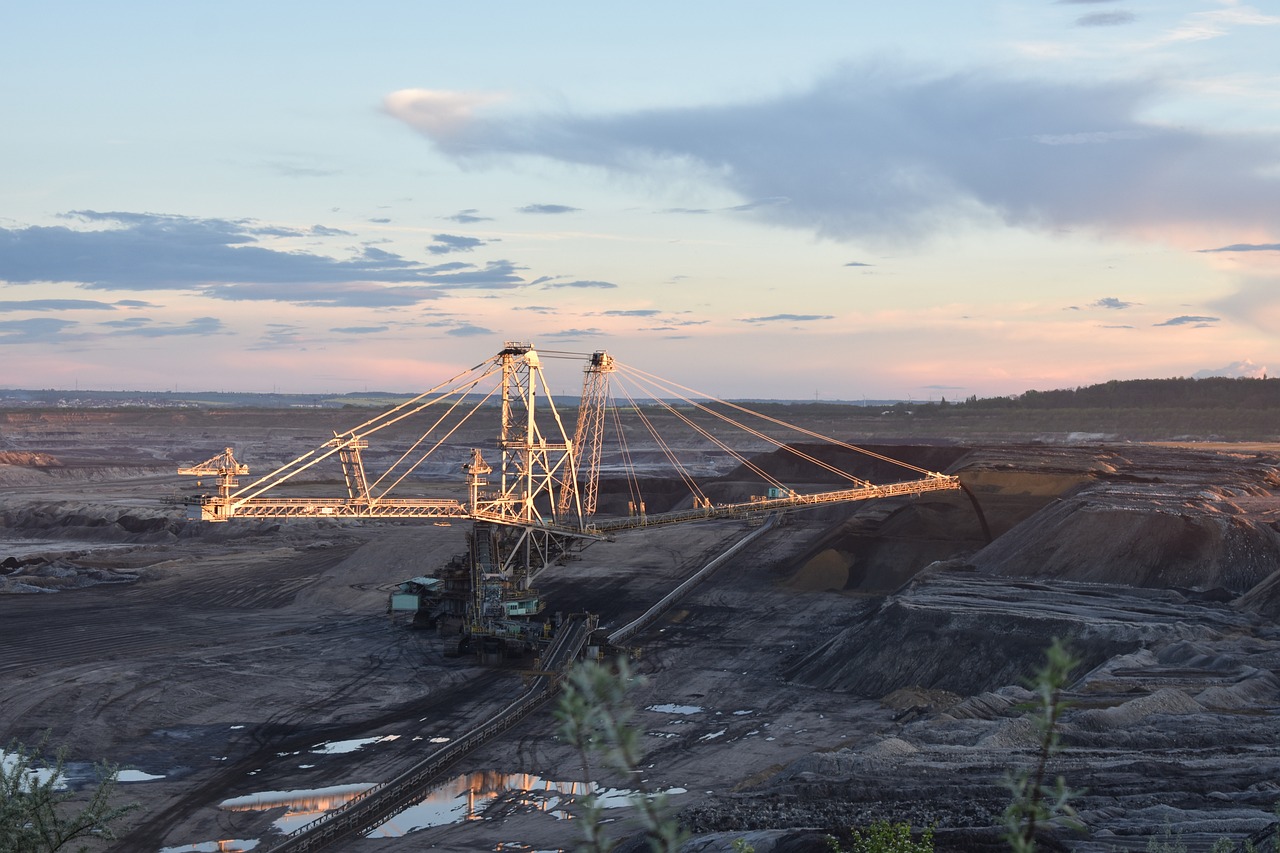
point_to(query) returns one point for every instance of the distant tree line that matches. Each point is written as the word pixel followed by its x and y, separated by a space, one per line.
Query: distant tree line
pixel 1178 393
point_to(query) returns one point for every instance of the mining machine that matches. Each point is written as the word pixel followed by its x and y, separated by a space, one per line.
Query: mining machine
pixel 533 494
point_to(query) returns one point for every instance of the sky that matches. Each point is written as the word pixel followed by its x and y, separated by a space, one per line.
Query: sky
pixel 814 200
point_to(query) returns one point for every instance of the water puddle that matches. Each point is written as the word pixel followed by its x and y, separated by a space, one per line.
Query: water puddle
pixel 339 747
pixel 301 806
pixel 675 709
pixel 137 776
pixel 37 775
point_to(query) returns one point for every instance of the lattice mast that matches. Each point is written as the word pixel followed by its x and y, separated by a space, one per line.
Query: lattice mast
pixel 223 467
pixel 534 470
pixel 588 437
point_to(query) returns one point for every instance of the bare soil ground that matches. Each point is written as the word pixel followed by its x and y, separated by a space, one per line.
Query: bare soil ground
pixel 862 662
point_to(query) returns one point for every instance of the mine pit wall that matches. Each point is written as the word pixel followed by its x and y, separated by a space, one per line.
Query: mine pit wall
pixel 1101 538
pixel 875 548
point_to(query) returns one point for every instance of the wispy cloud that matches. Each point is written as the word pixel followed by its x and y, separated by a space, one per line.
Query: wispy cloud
pixel 280 336
pixel 1106 19
pixel 468 216
pixel 884 151
pixel 573 334
pixel 1246 247
pixel 466 330
pixel 34 330
pixel 359 330
pixel 339 294
pixel 1237 370
pixel 788 318
pixel 326 231
pixel 603 285
pixel 56 305
pixel 1216 23
pixel 147 328
pixel 1113 303
pixel 548 208
pixel 443 244
pixel 1193 320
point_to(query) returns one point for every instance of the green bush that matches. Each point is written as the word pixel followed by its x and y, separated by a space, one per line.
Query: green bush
pixel 37 814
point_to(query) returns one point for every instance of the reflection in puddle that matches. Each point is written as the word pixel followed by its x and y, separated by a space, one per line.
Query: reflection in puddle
pixel 490 794
pixel 468 797
pixel 136 776
pixel 302 806
pixel 474 796
pixel 231 845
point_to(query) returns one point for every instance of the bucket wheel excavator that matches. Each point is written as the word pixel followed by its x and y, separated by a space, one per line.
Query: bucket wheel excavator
pixel 533 494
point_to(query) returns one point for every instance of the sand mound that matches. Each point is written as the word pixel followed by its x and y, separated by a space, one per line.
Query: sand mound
pixel 1164 702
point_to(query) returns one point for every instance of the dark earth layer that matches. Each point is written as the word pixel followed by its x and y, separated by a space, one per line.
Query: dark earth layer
pixel 862 662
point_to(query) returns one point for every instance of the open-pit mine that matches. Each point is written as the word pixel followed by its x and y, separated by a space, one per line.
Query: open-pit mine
pixel 281 655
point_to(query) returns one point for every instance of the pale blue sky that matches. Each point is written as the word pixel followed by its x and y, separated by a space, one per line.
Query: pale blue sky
pixel 829 199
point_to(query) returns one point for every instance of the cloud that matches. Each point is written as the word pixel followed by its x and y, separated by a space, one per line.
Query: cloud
pixel 858 264
pixel 598 284
pixel 1106 19
pixel 759 203
pixel 437 112
pixel 339 295
pixel 1113 303
pixel 56 305
pixel 468 216
pixel 494 275
pixel 787 318
pixel 359 330
pixel 467 330
pixel 1245 369
pixel 291 170
pixel 1246 247
pixel 884 151
pixel 630 312
pixel 1215 23
pixel 573 334
pixel 219 258
pixel 34 330
pixel 548 208
pixel 325 231
pixel 280 336
pixel 442 244
pixel 1191 320
pixel 1082 2
pixel 1116 327
pixel 145 328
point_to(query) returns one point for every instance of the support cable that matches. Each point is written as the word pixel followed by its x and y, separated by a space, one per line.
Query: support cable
pixel 666 448
pixel 781 445
pixel 782 423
